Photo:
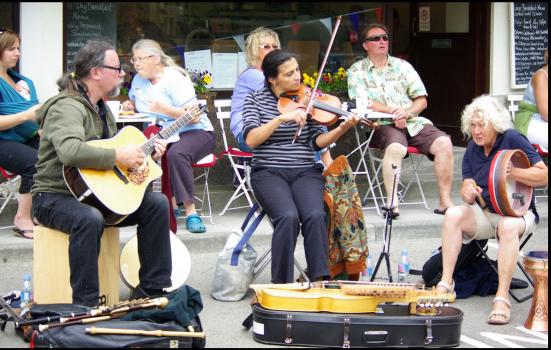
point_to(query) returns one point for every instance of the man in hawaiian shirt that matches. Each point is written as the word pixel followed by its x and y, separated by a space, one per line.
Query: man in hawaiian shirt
pixel 391 85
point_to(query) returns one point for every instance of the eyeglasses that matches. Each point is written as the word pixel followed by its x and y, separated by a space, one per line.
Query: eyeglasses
pixel 134 60
pixel 375 38
pixel 3 30
pixel 118 69
pixel 267 47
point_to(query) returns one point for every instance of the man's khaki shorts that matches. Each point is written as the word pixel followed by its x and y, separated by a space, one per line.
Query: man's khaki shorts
pixel 486 226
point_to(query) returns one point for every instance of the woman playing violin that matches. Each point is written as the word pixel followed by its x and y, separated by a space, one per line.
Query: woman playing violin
pixel 285 178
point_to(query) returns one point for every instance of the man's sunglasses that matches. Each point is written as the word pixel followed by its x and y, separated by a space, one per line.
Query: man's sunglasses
pixel 376 38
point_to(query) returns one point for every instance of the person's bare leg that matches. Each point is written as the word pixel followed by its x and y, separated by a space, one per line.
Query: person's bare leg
pixel 509 230
pixel 394 154
pixel 190 208
pixel 23 218
pixel 457 221
pixel 442 149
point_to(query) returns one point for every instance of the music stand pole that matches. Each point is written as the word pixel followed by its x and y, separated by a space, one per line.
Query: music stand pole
pixel 389 214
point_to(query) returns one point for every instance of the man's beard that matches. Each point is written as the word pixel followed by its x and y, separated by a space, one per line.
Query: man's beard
pixel 116 91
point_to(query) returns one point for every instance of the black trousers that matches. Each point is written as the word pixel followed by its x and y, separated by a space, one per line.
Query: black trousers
pixel 85 226
pixel 293 199
pixel 20 158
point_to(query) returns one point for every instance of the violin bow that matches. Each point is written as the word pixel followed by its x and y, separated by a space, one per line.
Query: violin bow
pixel 311 102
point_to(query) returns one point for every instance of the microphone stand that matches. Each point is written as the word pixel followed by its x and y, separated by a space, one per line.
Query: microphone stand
pixel 389 215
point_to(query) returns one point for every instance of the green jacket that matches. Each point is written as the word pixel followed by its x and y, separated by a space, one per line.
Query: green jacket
pixel 67 121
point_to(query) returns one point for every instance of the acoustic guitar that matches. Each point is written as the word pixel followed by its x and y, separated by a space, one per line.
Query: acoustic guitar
pixel 118 192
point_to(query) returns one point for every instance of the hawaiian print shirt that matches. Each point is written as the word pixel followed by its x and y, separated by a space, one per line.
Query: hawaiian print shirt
pixel 395 85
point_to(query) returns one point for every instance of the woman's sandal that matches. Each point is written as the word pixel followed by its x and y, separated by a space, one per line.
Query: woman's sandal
pixel 194 224
pixel 500 317
pixel 450 289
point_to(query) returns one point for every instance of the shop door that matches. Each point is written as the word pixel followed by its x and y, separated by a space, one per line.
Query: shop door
pixel 449 50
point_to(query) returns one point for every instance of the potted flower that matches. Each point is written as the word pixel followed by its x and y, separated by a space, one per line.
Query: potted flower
pixel 330 83
pixel 201 80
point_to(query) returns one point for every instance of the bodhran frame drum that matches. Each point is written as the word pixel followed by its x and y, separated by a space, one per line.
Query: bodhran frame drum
pixel 535 263
pixel 509 197
pixel 130 263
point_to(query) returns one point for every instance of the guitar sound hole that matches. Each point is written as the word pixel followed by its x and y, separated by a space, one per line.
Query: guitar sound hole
pixel 139 175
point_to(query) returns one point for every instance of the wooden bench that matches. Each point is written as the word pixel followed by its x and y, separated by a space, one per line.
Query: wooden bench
pixel 51 266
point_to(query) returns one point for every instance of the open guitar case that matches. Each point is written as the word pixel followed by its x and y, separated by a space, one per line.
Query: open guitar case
pixel 391 326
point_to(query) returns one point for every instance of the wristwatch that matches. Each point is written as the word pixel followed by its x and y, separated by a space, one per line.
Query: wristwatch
pixel 412 115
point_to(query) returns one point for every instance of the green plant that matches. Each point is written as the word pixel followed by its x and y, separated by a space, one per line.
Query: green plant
pixel 334 84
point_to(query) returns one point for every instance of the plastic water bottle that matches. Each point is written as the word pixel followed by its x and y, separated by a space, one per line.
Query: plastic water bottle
pixel 403 267
pixel 27 291
pixel 368 272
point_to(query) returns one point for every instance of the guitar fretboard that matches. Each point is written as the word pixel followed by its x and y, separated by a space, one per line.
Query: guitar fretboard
pixel 149 146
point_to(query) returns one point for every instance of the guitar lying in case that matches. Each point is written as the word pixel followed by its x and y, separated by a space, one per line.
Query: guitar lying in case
pixel 365 318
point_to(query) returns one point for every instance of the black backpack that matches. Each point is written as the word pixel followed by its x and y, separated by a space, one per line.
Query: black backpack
pixel 432 269
pixel 473 274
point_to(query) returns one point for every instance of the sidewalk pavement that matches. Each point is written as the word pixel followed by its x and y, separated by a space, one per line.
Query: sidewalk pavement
pixel 417 228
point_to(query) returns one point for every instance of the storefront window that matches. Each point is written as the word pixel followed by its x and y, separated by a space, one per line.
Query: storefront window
pixel 304 28
pixel 9 15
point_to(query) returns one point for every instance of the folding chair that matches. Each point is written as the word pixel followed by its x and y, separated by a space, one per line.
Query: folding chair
pixel 482 248
pixel 223 114
pixel 403 188
pixel 8 189
pixel 266 257
pixel 206 164
pixel 362 169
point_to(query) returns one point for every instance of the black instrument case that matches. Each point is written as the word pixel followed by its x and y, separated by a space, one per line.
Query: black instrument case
pixel 394 327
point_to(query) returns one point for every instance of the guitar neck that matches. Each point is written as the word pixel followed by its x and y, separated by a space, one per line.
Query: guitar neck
pixel 165 133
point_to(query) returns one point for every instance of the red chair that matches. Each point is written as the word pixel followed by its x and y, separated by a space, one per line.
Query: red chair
pixel 8 189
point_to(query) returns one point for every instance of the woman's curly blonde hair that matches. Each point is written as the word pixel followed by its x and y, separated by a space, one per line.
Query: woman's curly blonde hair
pixel 490 110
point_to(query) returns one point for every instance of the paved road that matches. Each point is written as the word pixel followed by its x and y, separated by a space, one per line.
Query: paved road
pixel 222 320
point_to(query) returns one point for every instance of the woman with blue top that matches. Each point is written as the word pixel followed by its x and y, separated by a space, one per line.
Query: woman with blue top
pixel 164 89
pixel 531 119
pixel 259 43
pixel 18 128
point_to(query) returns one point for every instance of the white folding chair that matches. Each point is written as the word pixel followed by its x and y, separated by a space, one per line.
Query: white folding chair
pixel 415 158
pixel 223 114
pixel 362 169
pixel 8 189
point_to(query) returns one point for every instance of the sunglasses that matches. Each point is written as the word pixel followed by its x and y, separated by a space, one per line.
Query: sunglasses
pixel 3 30
pixel 375 38
pixel 267 47
pixel 118 69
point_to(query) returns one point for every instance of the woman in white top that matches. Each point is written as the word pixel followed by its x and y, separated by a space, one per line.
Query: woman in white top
pixel 532 118
pixel 164 89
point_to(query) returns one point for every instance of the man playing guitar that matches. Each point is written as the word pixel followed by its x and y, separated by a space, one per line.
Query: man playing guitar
pixel 76 115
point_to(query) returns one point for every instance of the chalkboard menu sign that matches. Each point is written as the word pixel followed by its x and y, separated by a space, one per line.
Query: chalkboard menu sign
pixel 85 21
pixel 529 31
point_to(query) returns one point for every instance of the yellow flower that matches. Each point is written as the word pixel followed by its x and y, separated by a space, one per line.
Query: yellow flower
pixel 207 79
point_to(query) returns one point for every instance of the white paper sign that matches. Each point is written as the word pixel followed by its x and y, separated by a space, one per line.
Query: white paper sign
pixel 424 19
pixel 198 60
pixel 224 73
pixel 241 62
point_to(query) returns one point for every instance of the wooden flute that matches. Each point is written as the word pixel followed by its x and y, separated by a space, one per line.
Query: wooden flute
pixel 155 333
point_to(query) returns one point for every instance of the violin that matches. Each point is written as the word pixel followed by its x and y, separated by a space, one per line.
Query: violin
pixel 326 109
